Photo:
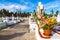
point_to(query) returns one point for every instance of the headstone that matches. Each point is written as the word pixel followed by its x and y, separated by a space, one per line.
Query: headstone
pixel 58 18
pixel 12 17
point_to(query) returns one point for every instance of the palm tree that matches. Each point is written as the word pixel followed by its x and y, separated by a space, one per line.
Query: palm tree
pixel 52 12
pixel 34 13
pixel 57 12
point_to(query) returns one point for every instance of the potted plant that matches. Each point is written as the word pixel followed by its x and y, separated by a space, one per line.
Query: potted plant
pixel 47 24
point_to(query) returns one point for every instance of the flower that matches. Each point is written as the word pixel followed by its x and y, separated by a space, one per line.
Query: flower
pixel 49 23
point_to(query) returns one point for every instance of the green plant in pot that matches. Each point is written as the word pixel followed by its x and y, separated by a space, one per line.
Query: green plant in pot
pixel 47 24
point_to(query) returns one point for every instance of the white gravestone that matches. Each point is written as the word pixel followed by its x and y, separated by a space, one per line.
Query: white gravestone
pixel 58 18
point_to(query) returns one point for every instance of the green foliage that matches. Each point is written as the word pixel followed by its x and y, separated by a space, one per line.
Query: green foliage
pixel 56 13
pixel 3 27
pixel 36 18
pixel 52 11
pixel 46 15
pixel 46 27
pixel 4 13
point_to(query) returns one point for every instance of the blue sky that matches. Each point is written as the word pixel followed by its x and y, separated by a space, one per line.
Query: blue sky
pixel 29 5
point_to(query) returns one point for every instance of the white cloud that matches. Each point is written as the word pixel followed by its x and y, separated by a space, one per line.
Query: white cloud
pixel 23 5
pixel 28 3
pixel 13 7
pixel 53 4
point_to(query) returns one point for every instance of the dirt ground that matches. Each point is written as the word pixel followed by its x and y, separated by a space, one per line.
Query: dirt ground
pixel 17 32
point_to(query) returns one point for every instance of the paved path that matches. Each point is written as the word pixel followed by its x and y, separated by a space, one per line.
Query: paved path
pixel 17 32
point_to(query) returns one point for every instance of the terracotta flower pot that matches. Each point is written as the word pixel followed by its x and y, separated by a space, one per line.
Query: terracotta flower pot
pixel 47 32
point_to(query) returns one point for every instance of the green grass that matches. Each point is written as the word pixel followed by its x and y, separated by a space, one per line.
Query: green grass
pixel 3 27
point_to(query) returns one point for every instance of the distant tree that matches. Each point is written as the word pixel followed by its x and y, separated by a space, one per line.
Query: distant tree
pixel 52 12
pixel 11 14
pixel 28 14
pixel 4 13
pixel 0 13
pixel 56 13
pixel 34 13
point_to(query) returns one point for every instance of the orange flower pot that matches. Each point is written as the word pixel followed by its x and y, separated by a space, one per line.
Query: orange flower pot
pixel 47 32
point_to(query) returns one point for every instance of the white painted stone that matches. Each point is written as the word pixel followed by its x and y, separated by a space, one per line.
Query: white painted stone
pixel 58 18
